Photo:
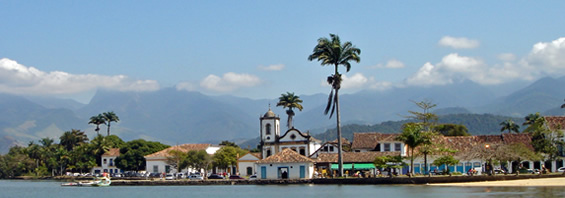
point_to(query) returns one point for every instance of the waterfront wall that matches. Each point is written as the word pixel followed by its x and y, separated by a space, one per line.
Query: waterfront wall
pixel 358 181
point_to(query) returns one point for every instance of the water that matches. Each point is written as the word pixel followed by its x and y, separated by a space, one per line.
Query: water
pixel 30 189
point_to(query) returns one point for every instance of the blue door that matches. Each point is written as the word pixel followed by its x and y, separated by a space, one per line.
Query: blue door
pixel 263 172
pixel 302 172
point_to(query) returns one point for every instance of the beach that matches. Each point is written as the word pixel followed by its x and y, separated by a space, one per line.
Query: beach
pixel 560 181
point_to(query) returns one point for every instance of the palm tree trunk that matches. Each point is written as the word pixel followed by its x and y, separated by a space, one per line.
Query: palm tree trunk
pixel 339 143
pixel 108 129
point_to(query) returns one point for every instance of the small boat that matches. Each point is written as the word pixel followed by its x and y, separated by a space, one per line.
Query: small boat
pixel 97 182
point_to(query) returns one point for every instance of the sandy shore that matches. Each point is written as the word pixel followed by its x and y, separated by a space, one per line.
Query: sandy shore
pixel 521 182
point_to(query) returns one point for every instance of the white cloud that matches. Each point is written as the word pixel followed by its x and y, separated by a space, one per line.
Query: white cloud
pixel 547 58
pixel 19 79
pixel 391 64
pixel 229 81
pixel 458 43
pixel 358 80
pixel 276 67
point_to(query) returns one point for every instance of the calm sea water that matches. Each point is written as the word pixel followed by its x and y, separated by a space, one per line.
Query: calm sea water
pixel 30 189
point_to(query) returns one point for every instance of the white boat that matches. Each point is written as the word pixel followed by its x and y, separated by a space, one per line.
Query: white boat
pixel 98 181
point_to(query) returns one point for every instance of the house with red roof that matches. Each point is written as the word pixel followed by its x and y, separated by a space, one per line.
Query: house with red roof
pixel 157 162
pixel 287 164
pixel 108 163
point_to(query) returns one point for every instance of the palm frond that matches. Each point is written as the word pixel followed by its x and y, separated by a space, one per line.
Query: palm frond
pixel 330 102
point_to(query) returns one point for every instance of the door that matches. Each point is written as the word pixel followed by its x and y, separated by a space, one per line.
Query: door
pixel 263 172
pixel 302 172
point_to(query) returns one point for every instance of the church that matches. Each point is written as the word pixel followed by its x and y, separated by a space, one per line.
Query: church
pixel 273 142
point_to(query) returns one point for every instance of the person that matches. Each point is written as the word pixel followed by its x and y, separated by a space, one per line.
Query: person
pixel 470 172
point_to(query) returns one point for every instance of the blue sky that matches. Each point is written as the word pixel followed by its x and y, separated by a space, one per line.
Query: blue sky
pixel 259 49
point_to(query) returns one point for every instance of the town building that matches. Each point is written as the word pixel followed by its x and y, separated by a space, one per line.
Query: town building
pixel 287 164
pixel 246 164
pixel 108 163
pixel 158 162
pixel 273 141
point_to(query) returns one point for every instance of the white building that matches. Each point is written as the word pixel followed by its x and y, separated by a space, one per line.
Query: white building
pixel 273 142
pixel 286 164
pixel 157 162
pixel 246 164
pixel 108 162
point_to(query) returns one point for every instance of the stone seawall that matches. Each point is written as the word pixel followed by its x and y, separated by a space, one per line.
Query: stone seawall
pixel 358 181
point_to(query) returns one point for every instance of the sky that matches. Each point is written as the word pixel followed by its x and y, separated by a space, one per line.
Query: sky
pixel 259 49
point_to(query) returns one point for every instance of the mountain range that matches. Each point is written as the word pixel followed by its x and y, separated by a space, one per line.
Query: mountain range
pixel 176 116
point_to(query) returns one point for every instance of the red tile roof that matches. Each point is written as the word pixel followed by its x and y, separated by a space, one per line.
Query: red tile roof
pixel 555 122
pixel 112 152
pixel 370 140
pixel 285 156
pixel 182 148
pixel 353 157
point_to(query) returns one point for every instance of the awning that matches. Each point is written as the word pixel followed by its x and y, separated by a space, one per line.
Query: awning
pixel 356 166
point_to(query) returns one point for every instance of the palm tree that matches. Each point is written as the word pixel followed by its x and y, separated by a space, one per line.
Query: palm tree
pixel 97 120
pixel 110 117
pixel 289 100
pixel 332 52
pixel 413 137
pixel 73 138
pixel 531 118
pixel 510 126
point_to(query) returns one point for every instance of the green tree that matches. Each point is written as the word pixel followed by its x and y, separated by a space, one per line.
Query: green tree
pixel 227 156
pixel 389 162
pixel 110 117
pixel 452 130
pixel 533 121
pixel 447 160
pixel 332 52
pixel 510 126
pixel 426 117
pixel 97 120
pixel 228 143
pixel 98 146
pixel 428 121
pixel 73 138
pixel 412 137
pixel 290 101
pixel 177 159
pixel 132 154
pixel 199 160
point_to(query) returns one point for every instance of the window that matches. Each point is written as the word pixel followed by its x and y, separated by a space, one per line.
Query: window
pixel 397 146
pixel 268 129
pixel 111 162
pixel 167 169
pixel 325 148
pixel 292 136
pixel 387 147
pixel 105 161
pixel 155 168
pixel 268 153
pixel 378 148
pixel 331 149
pixel 303 151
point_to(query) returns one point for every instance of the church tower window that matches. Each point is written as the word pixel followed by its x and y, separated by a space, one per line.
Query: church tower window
pixel 268 129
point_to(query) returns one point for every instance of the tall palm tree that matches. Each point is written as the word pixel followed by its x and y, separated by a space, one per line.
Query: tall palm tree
pixel 412 137
pixel 110 117
pixel 289 100
pixel 510 126
pixel 333 52
pixel 97 120
pixel 73 138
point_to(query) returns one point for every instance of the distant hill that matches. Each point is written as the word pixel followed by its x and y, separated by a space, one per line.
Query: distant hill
pixel 174 117
pixel 477 124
